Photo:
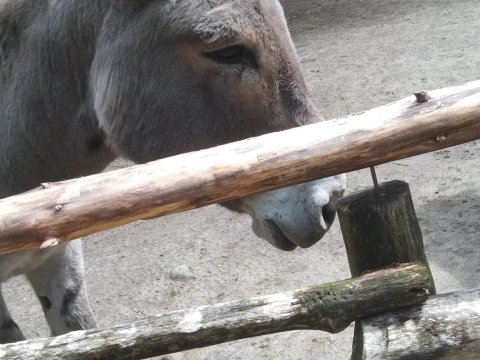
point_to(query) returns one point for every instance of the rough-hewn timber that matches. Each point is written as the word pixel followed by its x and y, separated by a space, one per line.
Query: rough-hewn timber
pixel 445 327
pixel 71 209
pixel 380 228
pixel 330 307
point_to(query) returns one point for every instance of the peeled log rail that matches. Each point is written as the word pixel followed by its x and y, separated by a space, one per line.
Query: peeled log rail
pixel 445 327
pixel 331 307
pixel 67 210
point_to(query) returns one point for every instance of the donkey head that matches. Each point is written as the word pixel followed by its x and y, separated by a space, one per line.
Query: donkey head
pixel 176 76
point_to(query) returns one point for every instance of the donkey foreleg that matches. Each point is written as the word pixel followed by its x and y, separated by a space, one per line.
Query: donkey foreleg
pixel 60 287
pixel 9 331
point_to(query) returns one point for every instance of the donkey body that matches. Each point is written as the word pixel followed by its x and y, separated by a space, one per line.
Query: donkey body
pixel 85 81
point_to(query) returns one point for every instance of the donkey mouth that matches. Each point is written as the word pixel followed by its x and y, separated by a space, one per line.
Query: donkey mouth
pixel 278 238
pixel 283 240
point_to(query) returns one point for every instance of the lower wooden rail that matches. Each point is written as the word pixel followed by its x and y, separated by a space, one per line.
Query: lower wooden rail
pixel 331 307
pixel 445 327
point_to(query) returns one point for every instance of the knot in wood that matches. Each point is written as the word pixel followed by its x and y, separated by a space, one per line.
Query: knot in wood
pixel 51 242
pixel 441 138
pixel 422 96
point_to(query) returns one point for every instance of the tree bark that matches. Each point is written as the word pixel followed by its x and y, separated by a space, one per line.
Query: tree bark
pixel 381 229
pixel 445 327
pixel 67 210
pixel 330 307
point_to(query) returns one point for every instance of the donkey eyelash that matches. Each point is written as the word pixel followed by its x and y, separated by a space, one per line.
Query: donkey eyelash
pixel 236 54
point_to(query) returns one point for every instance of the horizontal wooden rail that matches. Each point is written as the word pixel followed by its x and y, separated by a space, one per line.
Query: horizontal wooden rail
pixel 330 307
pixel 445 327
pixel 67 210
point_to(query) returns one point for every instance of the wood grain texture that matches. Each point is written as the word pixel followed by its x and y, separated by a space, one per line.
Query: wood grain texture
pixel 330 307
pixel 63 211
pixel 445 327
pixel 381 229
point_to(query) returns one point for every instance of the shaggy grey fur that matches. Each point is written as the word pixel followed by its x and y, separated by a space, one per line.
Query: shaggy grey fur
pixel 85 81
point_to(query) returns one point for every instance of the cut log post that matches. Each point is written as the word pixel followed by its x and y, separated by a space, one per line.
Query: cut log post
pixel 380 228
pixel 329 307
pixel 67 210
pixel 445 327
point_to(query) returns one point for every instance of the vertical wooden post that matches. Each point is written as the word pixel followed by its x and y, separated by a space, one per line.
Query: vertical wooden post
pixel 380 228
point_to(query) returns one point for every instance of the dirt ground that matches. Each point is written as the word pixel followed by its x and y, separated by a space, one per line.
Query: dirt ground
pixel 356 54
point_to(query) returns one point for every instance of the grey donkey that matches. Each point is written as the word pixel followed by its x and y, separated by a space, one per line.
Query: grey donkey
pixel 85 81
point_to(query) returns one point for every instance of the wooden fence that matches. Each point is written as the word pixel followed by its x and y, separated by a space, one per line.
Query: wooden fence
pixel 59 212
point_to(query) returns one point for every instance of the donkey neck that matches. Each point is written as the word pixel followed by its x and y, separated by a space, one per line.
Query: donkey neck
pixel 49 131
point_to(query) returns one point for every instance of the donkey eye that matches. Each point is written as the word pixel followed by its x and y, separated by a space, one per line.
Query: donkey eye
pixel 234 55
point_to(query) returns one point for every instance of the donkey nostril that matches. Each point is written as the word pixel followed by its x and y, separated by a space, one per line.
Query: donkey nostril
pixel 328 213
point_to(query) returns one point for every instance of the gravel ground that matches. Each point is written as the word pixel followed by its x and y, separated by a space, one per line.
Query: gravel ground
pixel 355 55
